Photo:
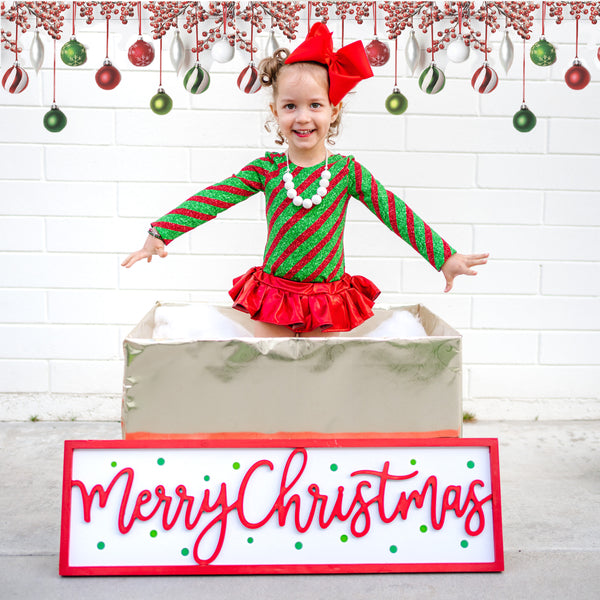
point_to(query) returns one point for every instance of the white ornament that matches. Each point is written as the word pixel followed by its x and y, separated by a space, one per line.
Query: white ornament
pixel 412 52
pixel 507 52
pixel 271 44
pixel 222 51
pixel 36 52
pixel 458 51
pixel 307 203
pixel 177 52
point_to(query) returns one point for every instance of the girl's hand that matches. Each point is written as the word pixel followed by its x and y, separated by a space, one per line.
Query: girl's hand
pixel 460 264
pixel 151 247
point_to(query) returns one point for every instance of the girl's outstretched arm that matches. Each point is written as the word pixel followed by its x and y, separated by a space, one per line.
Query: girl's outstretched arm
pixel 460 264
pixel 151 247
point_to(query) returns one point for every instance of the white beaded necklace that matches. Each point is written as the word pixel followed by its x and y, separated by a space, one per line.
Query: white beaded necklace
pixel 293 194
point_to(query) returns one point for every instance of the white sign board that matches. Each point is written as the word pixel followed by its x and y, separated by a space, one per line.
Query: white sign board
pixel 277 506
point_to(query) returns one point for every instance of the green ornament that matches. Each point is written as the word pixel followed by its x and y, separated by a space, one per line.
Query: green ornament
pixel 73 53
pixel 55 119
pixel 524 120
pixel 396 103
pixel 161 102
pixel 543 53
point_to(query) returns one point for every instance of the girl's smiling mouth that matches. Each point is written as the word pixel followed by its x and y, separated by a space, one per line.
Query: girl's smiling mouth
pixel 303 132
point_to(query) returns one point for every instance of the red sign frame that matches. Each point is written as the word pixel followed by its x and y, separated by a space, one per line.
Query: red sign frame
pixel 67 569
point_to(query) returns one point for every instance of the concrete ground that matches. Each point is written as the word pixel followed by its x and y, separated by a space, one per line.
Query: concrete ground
pixel 550 479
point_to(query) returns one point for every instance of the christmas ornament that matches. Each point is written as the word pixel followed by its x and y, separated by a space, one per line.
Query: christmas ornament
pixel 196 80
pixel 458 51
pixel 378 53
pixel 507 52
pixel 141 53
pixel 36 52
pixel 543 53
pixel 271 45
pixel 108 76
pixel 598 52
pixel 161 102
pixel 222 51
pixel 55 120
pixel 248 80
pixel 396 103
pixel 15 79
pixel 412 52
pixel 177 52
pixel 524 120
pixel 485 79
pixel 317 198
pixel 432 79
pixel 577 76
pixel 73 53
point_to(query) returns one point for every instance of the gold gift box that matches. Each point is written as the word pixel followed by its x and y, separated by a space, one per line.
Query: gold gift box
pixel 344 386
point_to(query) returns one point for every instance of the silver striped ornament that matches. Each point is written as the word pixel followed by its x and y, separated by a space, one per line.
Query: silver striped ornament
pixel 485 79
pixel 15 79
pixel 432 79
pixel 248 80
pixel 196 80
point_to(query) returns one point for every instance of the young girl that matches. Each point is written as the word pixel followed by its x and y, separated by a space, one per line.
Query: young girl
pixel 301 287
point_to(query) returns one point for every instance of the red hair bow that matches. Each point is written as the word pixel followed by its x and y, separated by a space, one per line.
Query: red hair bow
pixel 346 67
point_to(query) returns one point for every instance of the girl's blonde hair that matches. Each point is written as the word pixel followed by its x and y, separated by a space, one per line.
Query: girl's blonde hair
pixel 268 72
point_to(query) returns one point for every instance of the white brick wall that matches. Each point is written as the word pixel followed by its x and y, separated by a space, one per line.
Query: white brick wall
pixel 73 204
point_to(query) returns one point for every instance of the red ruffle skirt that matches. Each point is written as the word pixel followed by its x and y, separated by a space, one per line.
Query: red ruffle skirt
pixel 336 306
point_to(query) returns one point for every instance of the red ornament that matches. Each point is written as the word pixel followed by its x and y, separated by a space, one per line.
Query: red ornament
pixel 15 80
pixel 107 76
pixel 577 77
pixel 141 53
pixel 378 53
pixel 485 79
pixel 249 80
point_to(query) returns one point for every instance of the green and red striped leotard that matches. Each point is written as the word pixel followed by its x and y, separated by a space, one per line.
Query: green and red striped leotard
pixel 306 244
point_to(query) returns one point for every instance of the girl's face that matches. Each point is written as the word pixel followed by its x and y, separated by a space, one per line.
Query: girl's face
pixel 303 112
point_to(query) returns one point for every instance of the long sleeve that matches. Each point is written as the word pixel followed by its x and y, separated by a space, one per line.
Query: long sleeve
pixel 210 202
pixel 392 211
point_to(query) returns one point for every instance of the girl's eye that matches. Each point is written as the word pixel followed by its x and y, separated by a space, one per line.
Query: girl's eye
pixel 289 106
pixel 315 105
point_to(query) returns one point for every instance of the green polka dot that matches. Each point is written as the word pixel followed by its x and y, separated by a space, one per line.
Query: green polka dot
pixel 236 465
pixel 470 464
pixel 113 464
pixel 393 549
pixel 423 528
pixel 333 467
pixel 298 545
pixel 101 545
pixel 153 533
pixel 161 461
pixel 250 540
pixel 207 478
pixel 413 462
pixel 185 551
pixel 464 543
pixel 344 538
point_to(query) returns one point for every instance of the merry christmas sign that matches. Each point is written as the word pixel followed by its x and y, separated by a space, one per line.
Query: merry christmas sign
pixel 277 506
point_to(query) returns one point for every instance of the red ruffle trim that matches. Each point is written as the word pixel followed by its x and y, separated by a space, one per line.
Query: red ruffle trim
pixel 336 306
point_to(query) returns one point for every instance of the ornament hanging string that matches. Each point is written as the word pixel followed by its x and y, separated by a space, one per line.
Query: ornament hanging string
pixel 107 20
pixel 139 11
pixel 197 42
pixel 543 19
pixel 396 62
pixel 73 16
pixel 343 19
pixel 160 62
pixel 251 32
pixel 485 52
pixel 17 35
pixel 224 20
pixel 524 70
pixel 308 16
pixel 432 42
pixel 54 76
pixel 374 19
pixel 576 37
pixel 460 20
